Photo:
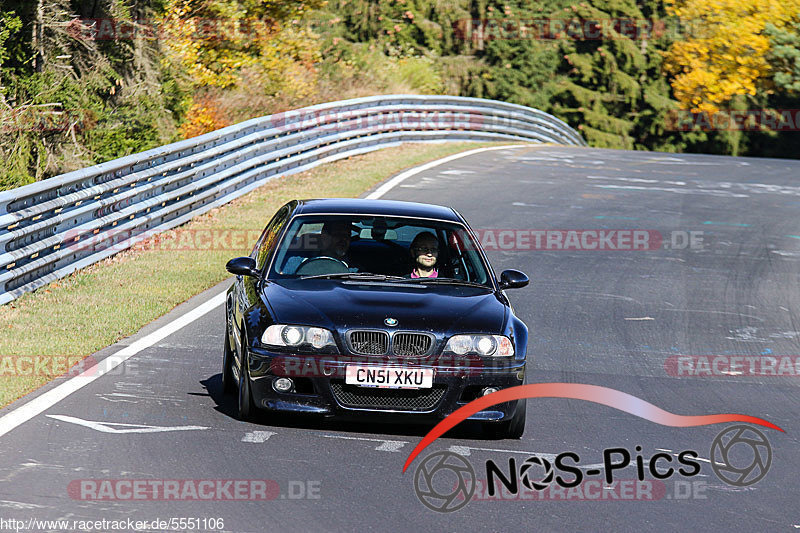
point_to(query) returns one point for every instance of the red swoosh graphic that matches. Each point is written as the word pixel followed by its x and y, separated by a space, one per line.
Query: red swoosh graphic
pixel 578 391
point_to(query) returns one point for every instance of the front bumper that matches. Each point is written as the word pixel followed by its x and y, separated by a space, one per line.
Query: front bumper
pixel 320 387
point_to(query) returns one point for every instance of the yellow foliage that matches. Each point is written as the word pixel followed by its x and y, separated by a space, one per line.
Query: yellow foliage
pixel 223 51
pixel 724 54
pixel 204 116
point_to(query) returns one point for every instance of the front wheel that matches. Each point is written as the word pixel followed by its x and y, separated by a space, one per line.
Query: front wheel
pixel 245 409
pixel 516 428
pixel 511 429
pixel 228 385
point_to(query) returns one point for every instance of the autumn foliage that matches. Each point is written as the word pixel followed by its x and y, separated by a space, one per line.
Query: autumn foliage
pixel 194 66
pixel 725 53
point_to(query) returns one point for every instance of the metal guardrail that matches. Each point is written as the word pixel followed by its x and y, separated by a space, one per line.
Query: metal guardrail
pixel 53 227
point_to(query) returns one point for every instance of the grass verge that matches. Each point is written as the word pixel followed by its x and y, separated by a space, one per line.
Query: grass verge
pixel 44 331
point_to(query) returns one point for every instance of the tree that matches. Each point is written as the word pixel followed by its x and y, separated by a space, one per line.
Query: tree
pixel 9 25
pixel 727 50
pixel 79 100
pixel 784 56
pixel 256 47
pixel 610 86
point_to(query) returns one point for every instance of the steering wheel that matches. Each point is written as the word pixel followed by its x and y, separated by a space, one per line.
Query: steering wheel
pixel 321 265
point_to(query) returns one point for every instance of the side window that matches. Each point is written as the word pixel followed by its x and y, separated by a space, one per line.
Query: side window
pixel 466 261
pixel 266 243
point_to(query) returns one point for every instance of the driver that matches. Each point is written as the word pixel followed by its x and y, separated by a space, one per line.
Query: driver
pixel 332 241
pixel 335 240
pixel 424 252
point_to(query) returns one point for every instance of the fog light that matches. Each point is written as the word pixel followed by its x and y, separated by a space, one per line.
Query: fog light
pixel 489 390
pixel 283 384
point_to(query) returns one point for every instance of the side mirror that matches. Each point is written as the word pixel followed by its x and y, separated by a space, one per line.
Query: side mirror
pixel 242 266
pixel 513 279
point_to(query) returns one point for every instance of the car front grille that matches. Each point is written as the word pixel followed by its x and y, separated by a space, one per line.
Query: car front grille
pixel 390 399
pixel 369 342
pixel 403 344
pixel 410 344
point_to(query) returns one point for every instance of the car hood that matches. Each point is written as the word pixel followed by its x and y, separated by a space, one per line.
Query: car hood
pixel 340 305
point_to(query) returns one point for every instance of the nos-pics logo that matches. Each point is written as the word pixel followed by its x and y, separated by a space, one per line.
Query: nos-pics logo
pixel 445 481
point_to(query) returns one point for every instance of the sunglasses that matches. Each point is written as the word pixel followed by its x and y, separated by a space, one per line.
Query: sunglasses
pixel 427 250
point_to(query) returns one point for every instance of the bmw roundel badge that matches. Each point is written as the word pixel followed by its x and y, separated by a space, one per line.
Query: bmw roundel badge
pixel 391 322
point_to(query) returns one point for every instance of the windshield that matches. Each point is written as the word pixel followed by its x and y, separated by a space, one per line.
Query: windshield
pixel 336 245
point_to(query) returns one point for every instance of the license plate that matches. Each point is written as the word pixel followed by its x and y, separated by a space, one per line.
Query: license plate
pixel 389 377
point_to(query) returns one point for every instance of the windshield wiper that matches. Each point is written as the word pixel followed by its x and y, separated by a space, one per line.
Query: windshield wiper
pixel 354 275
pixel 447 281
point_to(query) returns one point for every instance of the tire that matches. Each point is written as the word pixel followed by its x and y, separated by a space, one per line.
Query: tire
pixel 245 409
pixel 228 385
pixel 516 428
pixel 511 429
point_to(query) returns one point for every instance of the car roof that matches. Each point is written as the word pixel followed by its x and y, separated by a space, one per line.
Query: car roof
pixel 360 206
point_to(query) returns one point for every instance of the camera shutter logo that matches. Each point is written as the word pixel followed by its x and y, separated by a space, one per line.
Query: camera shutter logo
pixel 525 473
pixel 733 441
pixel 456 469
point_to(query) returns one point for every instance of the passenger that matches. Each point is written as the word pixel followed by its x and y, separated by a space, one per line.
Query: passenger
pixel 424 252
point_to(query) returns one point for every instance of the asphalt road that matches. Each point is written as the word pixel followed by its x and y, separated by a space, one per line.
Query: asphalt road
pixel 612 318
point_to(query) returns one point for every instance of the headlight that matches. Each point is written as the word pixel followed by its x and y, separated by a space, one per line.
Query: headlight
pixel 296 336
pixel 460 344
pixel 319 337
pixel 484 345
pixel 292 335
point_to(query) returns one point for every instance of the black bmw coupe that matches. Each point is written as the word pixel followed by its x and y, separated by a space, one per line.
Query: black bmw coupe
pixel 350 308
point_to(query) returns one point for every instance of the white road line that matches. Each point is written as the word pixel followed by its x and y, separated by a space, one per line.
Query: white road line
pixel 257 436
pixel 108 427
pixel 634 180
pixel 460 450
pixel 45 401
pixel 710 192
pixel 456 172
pixel 385 446
pixel 702 459
pixel 397 180
pixel 390 446
pixel 19 505
pixel 538 158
